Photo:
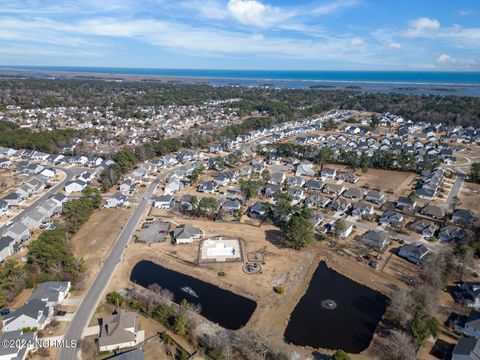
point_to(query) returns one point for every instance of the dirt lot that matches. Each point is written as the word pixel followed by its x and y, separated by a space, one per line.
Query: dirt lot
pixel 94 240
pixel 284 266
pixel 396 182
pixel 470 197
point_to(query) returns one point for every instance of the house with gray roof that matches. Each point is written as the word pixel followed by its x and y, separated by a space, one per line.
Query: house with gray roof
pixel 413 252
pixel 117 200
pixel 6 247
pixel 433 211
pixel 315 185
pixel 119 331
pixel 23 343
pixel 375 239
pixel 185 234
pixel 18 231
pixel 466 349
pixel 34 314
pixel 34 219
pixel 451 233
pixel 353 193
pixel 375 197
pixel 135 354
pixel 362 209
pixel 258 210
pixel 462 216
pixel 52 292
pixel 305 169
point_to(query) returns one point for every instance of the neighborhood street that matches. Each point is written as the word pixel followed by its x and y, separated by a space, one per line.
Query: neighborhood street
pixel 69 174
pixel 91 300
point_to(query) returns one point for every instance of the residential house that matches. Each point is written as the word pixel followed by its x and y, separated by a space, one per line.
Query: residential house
pixel 21 343
pixel 391 217
pixel 305 169
pixel 34 314
pixel 50 208
pixel 135 354
pixel 271 190
pixel 424 227
pixel 6 247
pixel 362 209
pixel 164 202
pixel 296 194
pixel 333 189
pixel 277 178
pixel 315 185
pixel 4 208
pixel 119 331
pixel 433 211
pixel 173 185
pixel 451 233
pixel 375 239
pixel 348 177
pixel 59 198
pixel 207 187
pixel 117 200
pixel 347 228
pixel 258 210
pixel 52 292
pixel 462 216
pixel 18 231
pixel 406 204
pixel 231 206
pixel 185 234
pixel 317 200
pixel 14 199
pixel 466 349
pixel 375 197
pixel 127 187
pixel 34 219
pixel 468 294
pixel 340 205
pixel 327 173
pixel 316 219
pixel 471 325
pixel 413 252
pixel 75 186
pixel 353 193
pixel 295 181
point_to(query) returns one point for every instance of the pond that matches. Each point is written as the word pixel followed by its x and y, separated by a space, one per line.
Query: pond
pixel 221 306
pixel 335 313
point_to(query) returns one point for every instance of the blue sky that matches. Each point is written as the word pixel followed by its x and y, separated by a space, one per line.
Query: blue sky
pixel 243 34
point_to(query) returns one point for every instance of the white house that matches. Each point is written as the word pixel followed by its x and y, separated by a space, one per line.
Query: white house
pixel 75 186
pixel 34 314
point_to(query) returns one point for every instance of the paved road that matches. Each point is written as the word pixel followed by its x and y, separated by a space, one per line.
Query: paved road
pixel 69 174
pixel 454 191
pixel 95 292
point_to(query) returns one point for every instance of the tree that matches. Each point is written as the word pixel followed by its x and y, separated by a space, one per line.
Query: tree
pixel 330 124
pixel 299 232
pixel 400 347
pixel 423 327
pixel 324 156
pixel 93 194
pixel 249 188
pixel 339 229
pixel 340 355
pixel 207 204
pixel 475 173
pixel 374 122
pixel 180 324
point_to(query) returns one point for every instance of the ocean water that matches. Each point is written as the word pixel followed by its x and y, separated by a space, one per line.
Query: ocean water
pixel 452 82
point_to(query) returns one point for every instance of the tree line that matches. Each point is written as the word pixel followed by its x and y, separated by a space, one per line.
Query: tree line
pixel 13 136
pixel 49 257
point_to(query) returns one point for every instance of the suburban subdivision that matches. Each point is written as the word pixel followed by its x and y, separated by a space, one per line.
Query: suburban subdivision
pixel 185 221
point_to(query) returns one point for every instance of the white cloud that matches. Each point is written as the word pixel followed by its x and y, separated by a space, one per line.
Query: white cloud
pixel 422 26
pixel 394 46
pixel 255 13
pixel 333 7
pixel 446 60
pixel 357 42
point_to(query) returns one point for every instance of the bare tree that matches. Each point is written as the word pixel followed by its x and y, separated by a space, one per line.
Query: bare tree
pixel 400 347
pixel 401 306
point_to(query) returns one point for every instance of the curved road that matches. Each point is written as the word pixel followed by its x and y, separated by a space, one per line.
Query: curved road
pixel 91 300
